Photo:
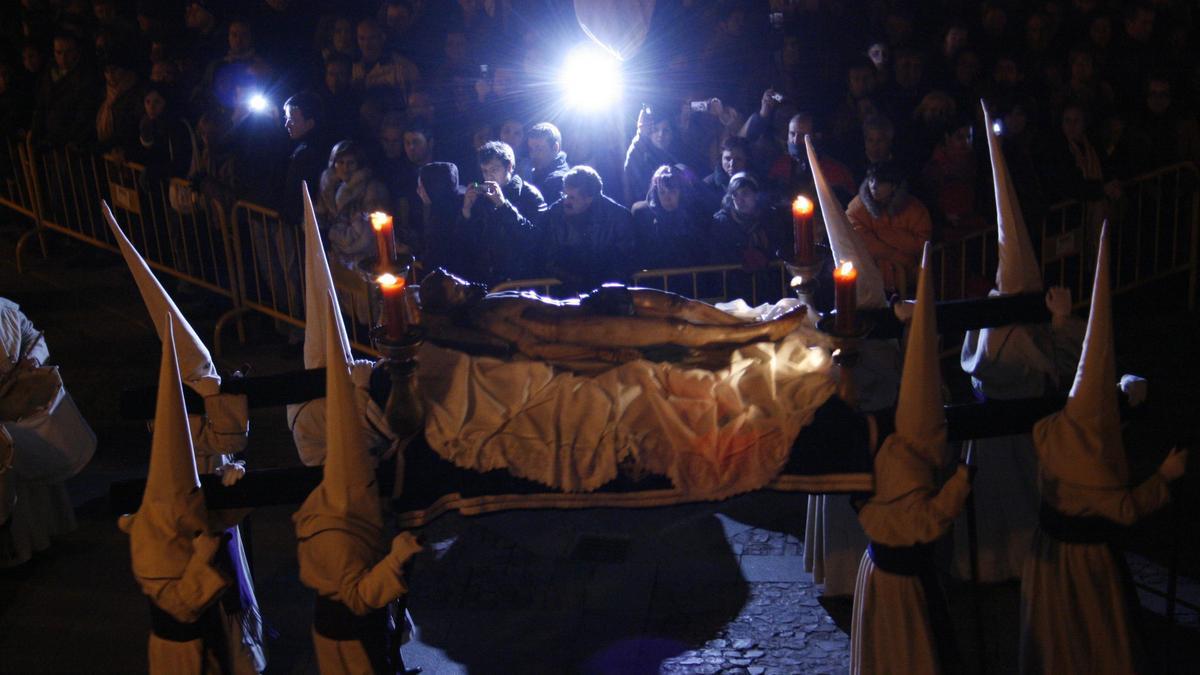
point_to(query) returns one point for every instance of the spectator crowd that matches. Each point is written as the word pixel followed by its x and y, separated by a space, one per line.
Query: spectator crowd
pixel 443 113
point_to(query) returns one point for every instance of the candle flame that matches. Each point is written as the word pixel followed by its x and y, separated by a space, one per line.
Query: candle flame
pixel 390 280
pixel 846 268
pixel 379 219
pixel 803 206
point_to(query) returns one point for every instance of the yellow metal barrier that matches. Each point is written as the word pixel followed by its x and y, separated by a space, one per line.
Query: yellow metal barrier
pixel 179 233
pixel 720 283
pixel 1153 228
pixel 965 267
pixel 269 258
pixel 16 192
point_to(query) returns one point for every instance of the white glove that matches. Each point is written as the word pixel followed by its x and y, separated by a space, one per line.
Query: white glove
pixel 231 472
pixel 904 310
pixel 1135 388
pixel 204 548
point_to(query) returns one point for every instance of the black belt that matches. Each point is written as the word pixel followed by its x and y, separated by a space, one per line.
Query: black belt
pixel 1077 529
pixel 334 621
pixel 917 561
pixel 910 561
pixel 171 629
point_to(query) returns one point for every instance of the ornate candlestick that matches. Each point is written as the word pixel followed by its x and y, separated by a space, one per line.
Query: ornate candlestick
pixel 804 281
pixel 846 350
pixel 398 340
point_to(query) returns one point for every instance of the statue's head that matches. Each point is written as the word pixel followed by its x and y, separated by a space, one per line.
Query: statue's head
pixel 443 292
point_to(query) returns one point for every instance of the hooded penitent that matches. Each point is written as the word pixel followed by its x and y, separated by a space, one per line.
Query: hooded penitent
pixel 323 324
pixel 172 510
pixel 318 287
pixel 1018 270
pixel 347 498
pixel 845 243
pixel 1083 442
pixel 920 418
pixel 195 364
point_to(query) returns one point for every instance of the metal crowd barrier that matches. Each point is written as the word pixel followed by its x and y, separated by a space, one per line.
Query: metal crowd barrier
pixel 721 283
pixel 249 256
pixel 16 193
pixel 966 266
pixel 1153 231
pixel 181 234
pixel 268 255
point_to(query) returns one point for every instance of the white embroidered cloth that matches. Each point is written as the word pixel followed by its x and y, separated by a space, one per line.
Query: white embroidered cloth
pixel 712 433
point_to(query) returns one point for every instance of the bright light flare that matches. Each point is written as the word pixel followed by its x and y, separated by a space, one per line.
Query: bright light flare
pixel 590 79
pixel 258 103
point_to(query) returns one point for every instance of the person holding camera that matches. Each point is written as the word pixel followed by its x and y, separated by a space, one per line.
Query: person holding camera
pixel 649 149
pixel 497 217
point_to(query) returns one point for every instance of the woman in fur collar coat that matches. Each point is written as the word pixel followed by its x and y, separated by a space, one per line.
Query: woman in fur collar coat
pixel 349 193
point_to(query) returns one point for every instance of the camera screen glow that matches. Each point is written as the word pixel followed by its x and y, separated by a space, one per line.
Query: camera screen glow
pixel 590 79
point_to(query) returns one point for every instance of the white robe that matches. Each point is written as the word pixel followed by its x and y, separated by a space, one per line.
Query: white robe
pixel 35 511
pixel 833 538
pixel 342 567
pixel 1075 613
pixel 1007 363
pixel 890 630
pixel 307 421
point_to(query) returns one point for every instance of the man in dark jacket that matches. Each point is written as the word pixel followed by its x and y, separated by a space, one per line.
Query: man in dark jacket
pixel 547 160
pixel 498 216
pixel 67 98
pixel 304 121
pixel 587 238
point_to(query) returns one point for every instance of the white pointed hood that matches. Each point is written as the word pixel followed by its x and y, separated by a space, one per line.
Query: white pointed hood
pixel 845 243
pixel 347 498
pixel 195 363
pixel 1082 444
pixel 919 414
pixel 318 286
pixel 172 509
pixel 1018 270
pixel 915 451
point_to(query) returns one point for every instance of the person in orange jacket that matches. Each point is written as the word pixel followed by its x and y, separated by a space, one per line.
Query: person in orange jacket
pixel 892 223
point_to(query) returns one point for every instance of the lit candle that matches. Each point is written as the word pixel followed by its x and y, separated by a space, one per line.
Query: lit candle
pixel 394 300
pixel 845 297
pixel 382 224
pixel 802 212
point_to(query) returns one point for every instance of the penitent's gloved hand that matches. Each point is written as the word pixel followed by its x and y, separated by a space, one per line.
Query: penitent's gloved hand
pixel 1136 388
